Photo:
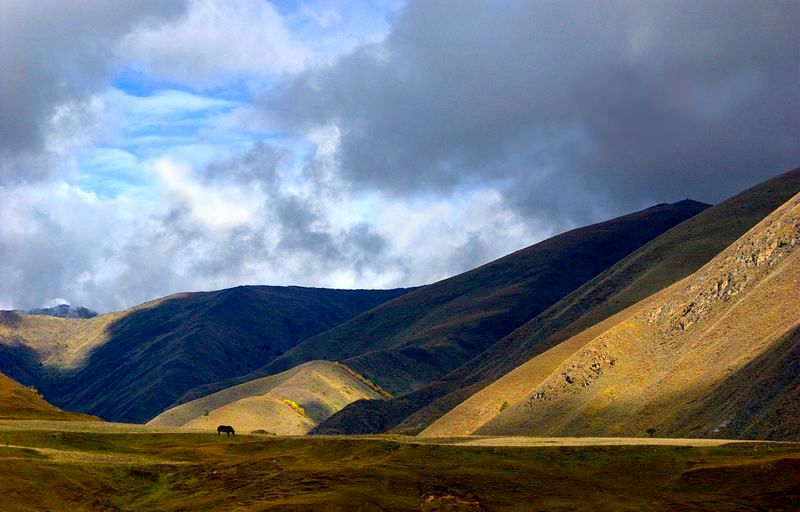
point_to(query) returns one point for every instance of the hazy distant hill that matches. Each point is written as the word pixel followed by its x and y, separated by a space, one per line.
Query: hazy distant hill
pixel 289 403
pixel 413 340
pixel 64 311
pixel 714 355
pixel 668 258
pixel 132 365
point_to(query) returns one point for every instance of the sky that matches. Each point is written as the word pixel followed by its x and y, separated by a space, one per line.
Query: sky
pixel 156 146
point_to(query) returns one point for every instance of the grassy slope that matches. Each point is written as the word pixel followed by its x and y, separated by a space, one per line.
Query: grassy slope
pixel 419 337
pixel 20 402
pixel 772 384
pixel 686 361
pixel 132 365
pixel 320 387
pixel 48 470
pixel 660 263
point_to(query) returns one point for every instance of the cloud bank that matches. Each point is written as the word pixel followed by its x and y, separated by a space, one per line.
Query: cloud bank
pixel 563 106
pixel 54 53
pixel 157 147
pixel 216 42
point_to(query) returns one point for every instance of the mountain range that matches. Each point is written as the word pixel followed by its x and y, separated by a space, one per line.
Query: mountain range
pixel 663 261
pixel 714 355
pixel 132 365
pixel 681 319
pixel 409 342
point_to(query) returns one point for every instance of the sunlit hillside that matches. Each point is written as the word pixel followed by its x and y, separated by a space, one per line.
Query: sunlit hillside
pixel 289 403
pixel 18 402
pixel 671 362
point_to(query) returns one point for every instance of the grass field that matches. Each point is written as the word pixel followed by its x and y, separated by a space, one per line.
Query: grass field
pixel 94 466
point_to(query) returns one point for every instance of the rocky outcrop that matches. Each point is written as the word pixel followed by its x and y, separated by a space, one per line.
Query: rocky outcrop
pixel 744 262
pixel 580 372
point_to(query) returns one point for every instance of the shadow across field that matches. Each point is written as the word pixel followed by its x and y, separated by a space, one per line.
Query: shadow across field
pixel 128 470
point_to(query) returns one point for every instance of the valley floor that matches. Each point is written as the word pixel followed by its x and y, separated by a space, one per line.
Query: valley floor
pixel 95 466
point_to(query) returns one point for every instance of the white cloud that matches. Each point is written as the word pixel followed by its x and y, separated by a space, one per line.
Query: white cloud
pixel 217 42
pixel 331 28
pixel 441 237
pixel 234 223
pixel 56 52
pixel 162 112
pixel 218 208
pixel 416 154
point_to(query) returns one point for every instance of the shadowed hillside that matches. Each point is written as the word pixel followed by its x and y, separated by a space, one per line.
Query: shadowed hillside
pixel 665 260
pixel 132 365
pixel 289 403
pixel 714 355
pixel 413 340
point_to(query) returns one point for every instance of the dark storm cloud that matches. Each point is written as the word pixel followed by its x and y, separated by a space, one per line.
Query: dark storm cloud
pixel 566 112
pixel 569 108
pixel 52 52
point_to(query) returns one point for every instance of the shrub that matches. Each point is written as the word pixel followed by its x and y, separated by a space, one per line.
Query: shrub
pixel 385 394
pixel 35 391
pixel 295 406
pixel 651 431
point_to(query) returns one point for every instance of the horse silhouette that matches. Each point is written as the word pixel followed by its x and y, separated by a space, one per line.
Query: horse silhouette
pixel 227 429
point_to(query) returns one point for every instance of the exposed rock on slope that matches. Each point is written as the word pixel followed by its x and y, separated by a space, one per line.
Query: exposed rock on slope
pixel 289 403
pixel 682 362
pixel 729 276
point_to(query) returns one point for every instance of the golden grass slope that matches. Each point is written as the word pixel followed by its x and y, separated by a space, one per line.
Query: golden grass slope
pixel 18 402
pixel 289 403
pixel 714 355
pixel 670 257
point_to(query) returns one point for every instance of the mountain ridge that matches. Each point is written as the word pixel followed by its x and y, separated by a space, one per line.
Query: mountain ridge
pixel 674 254
pixel 666 362
pixel 416 338
pixel 133 364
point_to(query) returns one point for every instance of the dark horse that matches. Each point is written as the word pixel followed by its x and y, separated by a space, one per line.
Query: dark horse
pixel 227 429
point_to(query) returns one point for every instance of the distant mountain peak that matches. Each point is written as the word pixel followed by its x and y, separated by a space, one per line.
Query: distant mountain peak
pixel 64 311
pixel 682 204
pixel 690 202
